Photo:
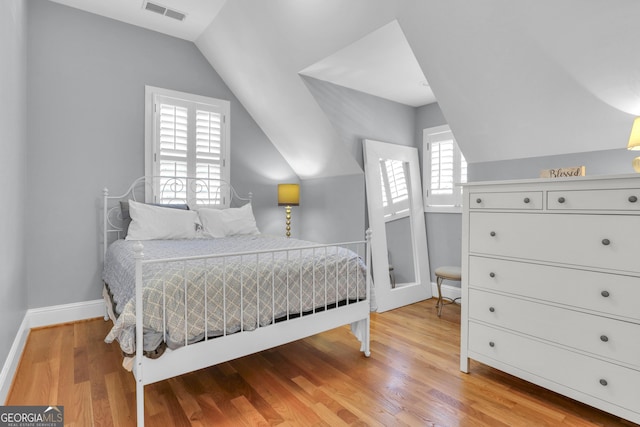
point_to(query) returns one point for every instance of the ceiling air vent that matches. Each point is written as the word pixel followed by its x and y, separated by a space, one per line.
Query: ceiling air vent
pixel 162 10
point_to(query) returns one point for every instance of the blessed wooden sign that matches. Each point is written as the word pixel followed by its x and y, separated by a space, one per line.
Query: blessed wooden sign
pixel 562 172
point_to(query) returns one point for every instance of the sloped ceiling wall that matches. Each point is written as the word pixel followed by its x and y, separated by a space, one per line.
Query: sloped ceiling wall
pixel 526 79
pixel 258 48
pixel 514 79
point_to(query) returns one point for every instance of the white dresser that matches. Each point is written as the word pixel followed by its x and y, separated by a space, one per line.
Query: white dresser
pixel 551 285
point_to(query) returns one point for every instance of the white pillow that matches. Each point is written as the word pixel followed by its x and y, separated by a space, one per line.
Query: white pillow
pixel 228 222
pixel 150 222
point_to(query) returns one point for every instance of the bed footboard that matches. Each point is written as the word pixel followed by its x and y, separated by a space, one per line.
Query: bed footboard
pixel 214 309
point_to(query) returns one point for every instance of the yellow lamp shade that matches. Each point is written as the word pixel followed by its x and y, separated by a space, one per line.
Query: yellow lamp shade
pixel 634 138
pixel 288 194
pixel 634 143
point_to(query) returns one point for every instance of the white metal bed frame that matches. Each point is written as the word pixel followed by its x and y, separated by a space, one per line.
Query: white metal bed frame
pixel 212 351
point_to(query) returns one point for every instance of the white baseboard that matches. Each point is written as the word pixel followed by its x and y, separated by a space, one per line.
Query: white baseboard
pixel 39 317
pixel 13 358
pixel 448 291
pixel 56 314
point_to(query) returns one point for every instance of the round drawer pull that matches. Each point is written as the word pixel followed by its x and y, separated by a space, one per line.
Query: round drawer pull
pixel 526 200
pixel 633 199
pixel 603 382
pixel 606 242
pixel 491 309
pixel 604 338
pixel 605 294
pixel 492 274
pixel 492 344
pixel 478 200
pixel 492 234
pixel 561 199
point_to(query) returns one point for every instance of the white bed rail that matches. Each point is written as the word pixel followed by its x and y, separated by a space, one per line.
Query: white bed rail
pixel 342 288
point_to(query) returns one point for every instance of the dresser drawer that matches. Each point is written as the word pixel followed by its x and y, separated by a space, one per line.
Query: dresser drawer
pixel 605 381
pixel 609 294
pixel 525 200
pixel 616 199
pixel 606 241
pixel 611 339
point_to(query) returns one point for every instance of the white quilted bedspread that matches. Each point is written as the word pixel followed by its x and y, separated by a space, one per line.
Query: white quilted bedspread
pixel 235 293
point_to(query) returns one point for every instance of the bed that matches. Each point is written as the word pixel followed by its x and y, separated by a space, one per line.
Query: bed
pixel 212 287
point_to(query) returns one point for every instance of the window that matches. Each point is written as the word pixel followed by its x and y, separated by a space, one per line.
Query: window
pixel 395 191
pixel 444 168
pixel 187 136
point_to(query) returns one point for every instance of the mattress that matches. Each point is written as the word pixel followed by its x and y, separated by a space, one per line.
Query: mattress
pixel 234 293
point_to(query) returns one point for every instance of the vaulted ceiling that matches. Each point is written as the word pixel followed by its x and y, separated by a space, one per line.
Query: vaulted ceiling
pixel 514 79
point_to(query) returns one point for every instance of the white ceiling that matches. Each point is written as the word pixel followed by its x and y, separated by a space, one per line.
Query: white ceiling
pixel 380 64
pixel 199 14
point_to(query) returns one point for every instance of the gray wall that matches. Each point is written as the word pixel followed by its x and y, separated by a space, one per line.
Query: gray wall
pixel 355 116
pixel 332 210
pixel 86 80
pixel 607 162
pixel 13 142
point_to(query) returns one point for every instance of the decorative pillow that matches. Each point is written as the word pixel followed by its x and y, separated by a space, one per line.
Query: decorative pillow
pixel 124 207
pixel 150 222
pixel 228 222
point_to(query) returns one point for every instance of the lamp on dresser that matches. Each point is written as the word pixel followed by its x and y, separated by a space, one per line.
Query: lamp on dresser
pixel 634 143
pixel 288 195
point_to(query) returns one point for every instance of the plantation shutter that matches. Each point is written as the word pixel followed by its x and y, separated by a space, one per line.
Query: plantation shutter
pixel 447 169
pixel 190 142
pixel 442 167
pixel 208 152
pixel 172 151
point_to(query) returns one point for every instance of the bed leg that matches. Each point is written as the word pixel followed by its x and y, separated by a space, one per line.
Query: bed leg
pixel 367 338
pixel 361 330
pixel 106 314
pixel 140 403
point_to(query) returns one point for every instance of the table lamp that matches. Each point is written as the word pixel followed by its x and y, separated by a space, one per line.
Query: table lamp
pixel 288 195
pixel 634 142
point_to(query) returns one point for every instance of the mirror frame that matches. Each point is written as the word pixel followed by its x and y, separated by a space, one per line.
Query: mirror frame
pixel 405 293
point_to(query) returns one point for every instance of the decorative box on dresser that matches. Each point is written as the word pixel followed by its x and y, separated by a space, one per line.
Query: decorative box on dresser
pixel 551 285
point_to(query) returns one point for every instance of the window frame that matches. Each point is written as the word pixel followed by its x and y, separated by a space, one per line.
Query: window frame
pixel 152 97
pixel 452 202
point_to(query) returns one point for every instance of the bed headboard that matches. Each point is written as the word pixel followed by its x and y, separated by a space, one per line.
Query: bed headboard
pixel 194 192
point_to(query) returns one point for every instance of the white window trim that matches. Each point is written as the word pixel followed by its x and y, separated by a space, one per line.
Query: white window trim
pixel 151 93
pixel 456 207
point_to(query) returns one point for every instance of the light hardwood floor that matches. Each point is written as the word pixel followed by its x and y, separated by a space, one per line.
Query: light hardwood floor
pixel 411 378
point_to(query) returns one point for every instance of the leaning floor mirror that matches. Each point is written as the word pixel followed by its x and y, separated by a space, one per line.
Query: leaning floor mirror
pixel 400 262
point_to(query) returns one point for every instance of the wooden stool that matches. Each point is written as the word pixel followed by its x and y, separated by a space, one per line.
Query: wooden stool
pixel 445 273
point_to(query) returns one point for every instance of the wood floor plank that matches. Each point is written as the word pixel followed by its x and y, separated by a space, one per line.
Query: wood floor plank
pixel 78 412
pixel 117 400
pixel 323 402
pixel 250 415
pixel 412 378
pixel 284 405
